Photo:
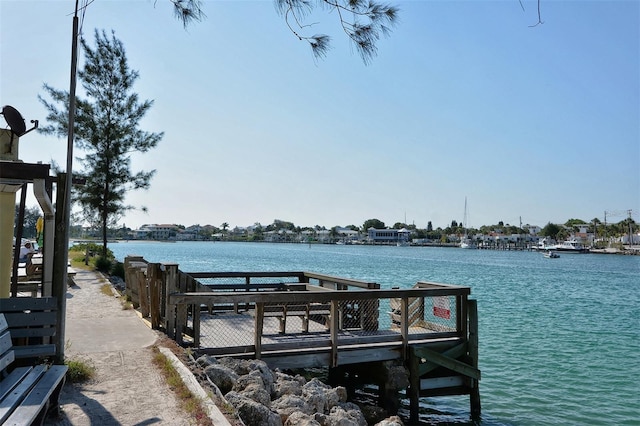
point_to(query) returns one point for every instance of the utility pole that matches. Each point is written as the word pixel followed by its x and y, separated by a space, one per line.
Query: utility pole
pixel 630 228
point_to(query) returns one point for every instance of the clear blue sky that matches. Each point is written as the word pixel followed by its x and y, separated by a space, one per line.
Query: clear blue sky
pixel 464 99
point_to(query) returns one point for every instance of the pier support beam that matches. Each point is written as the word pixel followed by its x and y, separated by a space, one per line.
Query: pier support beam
pixel 474 395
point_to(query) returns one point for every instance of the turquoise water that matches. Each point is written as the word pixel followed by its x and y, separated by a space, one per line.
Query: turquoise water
pixel 559 338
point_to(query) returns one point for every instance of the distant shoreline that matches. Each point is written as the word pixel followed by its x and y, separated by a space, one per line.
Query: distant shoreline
pixel 634 251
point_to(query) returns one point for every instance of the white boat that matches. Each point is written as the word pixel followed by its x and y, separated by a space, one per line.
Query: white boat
pixel 551 255
pixel 465 241
pixel 570 246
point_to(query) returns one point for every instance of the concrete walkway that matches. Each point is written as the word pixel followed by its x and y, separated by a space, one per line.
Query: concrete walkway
pixel 127 389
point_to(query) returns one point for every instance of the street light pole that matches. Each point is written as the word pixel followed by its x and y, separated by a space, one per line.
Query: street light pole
pixel 64 247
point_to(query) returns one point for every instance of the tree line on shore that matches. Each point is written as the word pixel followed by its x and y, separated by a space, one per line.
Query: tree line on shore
pixel 257 231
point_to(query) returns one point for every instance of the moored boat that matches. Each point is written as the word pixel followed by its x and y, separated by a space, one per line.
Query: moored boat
pixel 551 255
pixel 570 246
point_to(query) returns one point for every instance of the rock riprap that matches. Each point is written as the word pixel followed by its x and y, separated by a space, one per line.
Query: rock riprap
pixel 262 397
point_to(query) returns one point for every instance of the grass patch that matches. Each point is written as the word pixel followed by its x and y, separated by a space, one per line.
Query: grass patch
pixel 191 404
pixel 126 303
pixel 106 290
pixel 76 258
pixel 79 371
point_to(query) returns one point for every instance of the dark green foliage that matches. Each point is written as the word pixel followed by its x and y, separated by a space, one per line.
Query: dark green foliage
pixel 94 249
pixel 550 230
pixel 106 130
pixel 31 215
pixel 79 371
pixel 117 269
pixel 363 21
pixel 373 223
pixel 103 264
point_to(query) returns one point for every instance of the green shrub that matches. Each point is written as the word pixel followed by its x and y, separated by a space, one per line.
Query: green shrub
pixel 94 249
pixel 117 269
pixel 79 371
pixel 103 264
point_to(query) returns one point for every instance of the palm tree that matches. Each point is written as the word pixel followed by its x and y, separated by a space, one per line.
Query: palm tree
pixel 224 226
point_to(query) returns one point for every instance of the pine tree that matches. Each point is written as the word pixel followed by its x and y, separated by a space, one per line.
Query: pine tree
pixel 106 129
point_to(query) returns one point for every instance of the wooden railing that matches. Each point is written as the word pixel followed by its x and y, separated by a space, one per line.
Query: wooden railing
pixel 338 312
pixel 305 319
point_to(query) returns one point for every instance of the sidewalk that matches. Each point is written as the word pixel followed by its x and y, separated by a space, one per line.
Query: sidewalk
pixel 127 388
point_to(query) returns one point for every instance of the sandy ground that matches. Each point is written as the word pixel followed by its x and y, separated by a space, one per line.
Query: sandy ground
pixel 127 389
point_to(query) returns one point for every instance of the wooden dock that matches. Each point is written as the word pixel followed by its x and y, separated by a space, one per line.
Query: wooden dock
pixel 302 320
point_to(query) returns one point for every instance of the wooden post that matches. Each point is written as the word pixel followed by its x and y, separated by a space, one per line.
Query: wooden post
pixel 181 321
pixel 474 395
pixel 334 327
pixel 414 386
pixel 154 273
pixel 129 277
pixel 259 323
pixel 404 325
pixel 171 286
pixel 462 312
pixel 143 294
pixel 196 325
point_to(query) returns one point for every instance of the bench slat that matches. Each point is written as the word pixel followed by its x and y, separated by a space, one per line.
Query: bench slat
pixel 20 304
pixel 33 332
pixel 8 383
pixel 34 351
pixel 8 405
pixel 32 319
pixel 37 399
pixel 5 342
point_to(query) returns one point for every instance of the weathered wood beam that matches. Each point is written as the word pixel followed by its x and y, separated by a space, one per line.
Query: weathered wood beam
pixel 449 363
pixel 454 353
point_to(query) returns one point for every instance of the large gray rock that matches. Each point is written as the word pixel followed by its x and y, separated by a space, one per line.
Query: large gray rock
pixel 346 414
pixel 266 374
pixel 253 387
pixel 223 377
pixel 301 419
pixel 391 421
pixel 206 360
pixel 288 405
pixel 373 414
pixel 322 397
pixel 288 385
pixel 251 412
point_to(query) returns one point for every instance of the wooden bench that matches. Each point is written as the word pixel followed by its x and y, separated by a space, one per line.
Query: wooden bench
pixel 32 322
pixel 27 394
pixel 319 312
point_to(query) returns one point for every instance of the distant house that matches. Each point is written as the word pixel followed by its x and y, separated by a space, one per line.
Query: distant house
pixel 347 234
pixel 533 229
pixel 388 236
pixel 280 236
pixel 155 232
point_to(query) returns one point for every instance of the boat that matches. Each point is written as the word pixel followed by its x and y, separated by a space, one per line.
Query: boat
pixel 570 246
pixel 465 241
pixel 551 255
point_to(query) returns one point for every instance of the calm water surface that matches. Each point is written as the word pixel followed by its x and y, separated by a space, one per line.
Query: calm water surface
pixel 559 338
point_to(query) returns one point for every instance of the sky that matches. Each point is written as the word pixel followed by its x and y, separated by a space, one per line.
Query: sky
pixel 465 99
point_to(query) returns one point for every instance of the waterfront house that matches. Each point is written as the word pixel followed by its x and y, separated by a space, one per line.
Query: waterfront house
pixel 155 232
pixel 388 236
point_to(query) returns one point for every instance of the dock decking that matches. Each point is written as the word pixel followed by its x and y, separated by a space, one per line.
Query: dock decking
pixel 303 320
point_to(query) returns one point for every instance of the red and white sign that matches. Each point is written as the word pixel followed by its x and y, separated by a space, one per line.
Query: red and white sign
pixel 442 307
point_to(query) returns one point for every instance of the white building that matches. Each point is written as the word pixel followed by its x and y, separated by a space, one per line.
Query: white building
pixel 388 236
